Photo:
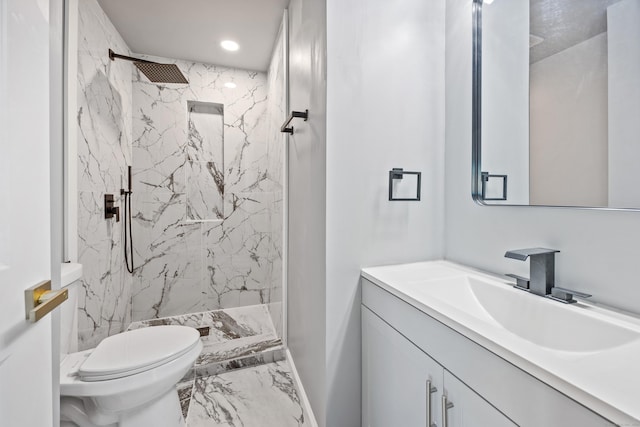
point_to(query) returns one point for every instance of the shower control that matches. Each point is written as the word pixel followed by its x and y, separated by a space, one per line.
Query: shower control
pixel 109 210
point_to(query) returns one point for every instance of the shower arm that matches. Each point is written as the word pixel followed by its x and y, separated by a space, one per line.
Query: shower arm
pixel 154 71
pixel 113 56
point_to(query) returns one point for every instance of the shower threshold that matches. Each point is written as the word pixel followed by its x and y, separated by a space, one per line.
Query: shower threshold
pixel 232 338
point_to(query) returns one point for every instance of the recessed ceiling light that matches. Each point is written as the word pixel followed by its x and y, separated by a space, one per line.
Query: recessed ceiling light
pixel 487 1
pixel 230 85
pixel 230 45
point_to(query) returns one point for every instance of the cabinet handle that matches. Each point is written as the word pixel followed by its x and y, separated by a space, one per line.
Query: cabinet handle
pixel 430 389
pixel 445 406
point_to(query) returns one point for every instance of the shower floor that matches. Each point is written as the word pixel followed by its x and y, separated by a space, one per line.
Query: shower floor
pixel 234 338
pixel 241 377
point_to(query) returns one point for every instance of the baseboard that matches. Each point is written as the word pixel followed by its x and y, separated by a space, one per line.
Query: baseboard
pixel 303 396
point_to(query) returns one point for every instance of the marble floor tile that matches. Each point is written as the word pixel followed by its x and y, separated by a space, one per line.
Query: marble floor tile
pixel 233 334
pixel 233 349
pixel 185 390
pixel 274 354
pixel 233 323
pixel 260 396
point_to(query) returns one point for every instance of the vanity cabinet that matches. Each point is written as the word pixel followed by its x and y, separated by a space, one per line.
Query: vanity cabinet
pixel 403 348
pixel 403 386
pixel 396 377
pixel 469 409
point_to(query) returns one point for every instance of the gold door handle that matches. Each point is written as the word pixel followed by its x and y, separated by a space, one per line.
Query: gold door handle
pixel 40 300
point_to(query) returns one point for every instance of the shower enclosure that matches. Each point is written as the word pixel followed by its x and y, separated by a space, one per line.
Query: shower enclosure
pixel 207 207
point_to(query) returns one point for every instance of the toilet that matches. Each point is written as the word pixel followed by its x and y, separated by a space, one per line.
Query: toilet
pixel 129 379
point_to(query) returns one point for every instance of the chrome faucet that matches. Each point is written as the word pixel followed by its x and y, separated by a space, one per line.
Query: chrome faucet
pixel 542 275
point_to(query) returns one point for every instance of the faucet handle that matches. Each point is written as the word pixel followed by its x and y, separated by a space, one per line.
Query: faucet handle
pixel 523 254
pixel 566 295
pixel 521 282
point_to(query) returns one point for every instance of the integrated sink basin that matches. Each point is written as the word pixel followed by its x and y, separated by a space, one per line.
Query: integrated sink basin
pixel 547 323
pixel 588 352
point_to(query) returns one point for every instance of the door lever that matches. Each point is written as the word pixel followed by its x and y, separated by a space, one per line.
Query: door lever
pixel 40 300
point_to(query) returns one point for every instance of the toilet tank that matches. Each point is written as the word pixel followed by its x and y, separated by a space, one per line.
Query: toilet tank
pixel 71 275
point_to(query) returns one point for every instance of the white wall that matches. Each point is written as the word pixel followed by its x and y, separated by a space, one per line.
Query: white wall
pixel 568 141
pixel 505 97
pixel 385 109
pixel 599 248
pixel 306 195
pixel 624 103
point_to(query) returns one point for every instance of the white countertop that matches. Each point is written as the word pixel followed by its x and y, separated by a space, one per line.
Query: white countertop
pixel 606 381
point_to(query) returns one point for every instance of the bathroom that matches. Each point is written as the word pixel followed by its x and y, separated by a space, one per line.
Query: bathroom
pixel 330 219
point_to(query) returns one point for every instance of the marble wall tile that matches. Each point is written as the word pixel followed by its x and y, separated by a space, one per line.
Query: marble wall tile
pixel 193 320
pixel 205 187
pixel 166 296
pixel 104 152
pixel 177 177
pixel 183 264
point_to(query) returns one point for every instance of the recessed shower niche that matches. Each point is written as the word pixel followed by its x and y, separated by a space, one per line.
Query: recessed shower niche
pixel 204 168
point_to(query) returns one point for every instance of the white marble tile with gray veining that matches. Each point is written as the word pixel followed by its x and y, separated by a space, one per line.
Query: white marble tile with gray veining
pixel 231 338
pixel 179 176
pixel 263 396
pixel 207 210
pixel 104 120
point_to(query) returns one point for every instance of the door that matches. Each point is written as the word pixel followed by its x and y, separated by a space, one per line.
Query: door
pixel 395 378
pixel 468 409
pixel 26 386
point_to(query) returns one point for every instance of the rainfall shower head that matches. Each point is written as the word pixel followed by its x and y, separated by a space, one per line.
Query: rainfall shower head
pixel 155 72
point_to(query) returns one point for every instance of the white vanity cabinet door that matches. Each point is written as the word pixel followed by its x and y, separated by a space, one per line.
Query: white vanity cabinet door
pixel 394 378
pixel 468 409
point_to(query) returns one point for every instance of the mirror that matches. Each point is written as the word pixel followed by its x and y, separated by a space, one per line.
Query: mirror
pixel 556 103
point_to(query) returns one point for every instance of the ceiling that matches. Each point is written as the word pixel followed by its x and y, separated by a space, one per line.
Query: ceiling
pixel 193 29
pixel 565 23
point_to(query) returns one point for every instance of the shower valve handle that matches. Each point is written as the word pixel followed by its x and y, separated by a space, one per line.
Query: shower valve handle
pixel 109 209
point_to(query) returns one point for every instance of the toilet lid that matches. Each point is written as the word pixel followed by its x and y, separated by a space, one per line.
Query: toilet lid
pixel 136 351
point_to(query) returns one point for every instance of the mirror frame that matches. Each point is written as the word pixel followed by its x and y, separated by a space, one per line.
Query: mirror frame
pixel 476 124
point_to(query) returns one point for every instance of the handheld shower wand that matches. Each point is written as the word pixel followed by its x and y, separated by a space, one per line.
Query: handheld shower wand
pixel 127 222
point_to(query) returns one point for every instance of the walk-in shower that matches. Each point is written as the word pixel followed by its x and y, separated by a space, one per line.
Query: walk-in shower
pixel 195 166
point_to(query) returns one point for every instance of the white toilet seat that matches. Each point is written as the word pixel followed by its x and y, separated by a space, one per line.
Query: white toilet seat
pixel 137 351
pixel 135 389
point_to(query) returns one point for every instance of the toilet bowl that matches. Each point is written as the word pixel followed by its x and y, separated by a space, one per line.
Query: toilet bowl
pixel 129 379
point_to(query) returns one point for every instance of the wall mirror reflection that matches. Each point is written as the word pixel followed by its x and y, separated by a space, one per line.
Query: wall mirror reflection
pixel 557 103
